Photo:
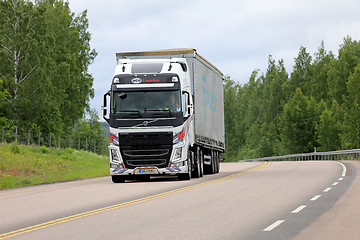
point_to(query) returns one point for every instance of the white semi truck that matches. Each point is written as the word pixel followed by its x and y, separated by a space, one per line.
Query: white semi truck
pixel 165 110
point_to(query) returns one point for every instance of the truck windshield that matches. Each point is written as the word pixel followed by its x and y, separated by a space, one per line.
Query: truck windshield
pixel 145 101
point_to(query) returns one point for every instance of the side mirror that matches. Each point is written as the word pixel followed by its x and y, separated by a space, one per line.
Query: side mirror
pixel 187 105
pixel 104 106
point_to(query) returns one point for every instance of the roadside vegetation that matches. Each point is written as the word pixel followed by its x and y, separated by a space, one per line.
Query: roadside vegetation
pixel 316 106
pixel 45 91
pixel 30 165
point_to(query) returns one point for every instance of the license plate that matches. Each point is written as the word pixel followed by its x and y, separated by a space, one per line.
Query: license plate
pixel 146 171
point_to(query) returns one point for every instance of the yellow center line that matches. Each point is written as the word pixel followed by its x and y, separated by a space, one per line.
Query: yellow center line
pixel 120 205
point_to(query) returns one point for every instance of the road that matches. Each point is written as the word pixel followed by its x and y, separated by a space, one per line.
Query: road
pixel 252 200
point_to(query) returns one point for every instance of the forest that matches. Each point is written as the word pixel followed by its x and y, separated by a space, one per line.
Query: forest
pixel 316 107
pixel 45 85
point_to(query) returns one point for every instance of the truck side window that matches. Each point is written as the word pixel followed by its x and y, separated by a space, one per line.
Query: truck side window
pixel 184 104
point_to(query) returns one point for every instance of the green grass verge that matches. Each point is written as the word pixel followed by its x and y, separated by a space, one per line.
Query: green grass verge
pixel 30 165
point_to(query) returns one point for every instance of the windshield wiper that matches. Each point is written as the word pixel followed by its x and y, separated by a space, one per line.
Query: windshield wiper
pixel 157 110
pixel 130 113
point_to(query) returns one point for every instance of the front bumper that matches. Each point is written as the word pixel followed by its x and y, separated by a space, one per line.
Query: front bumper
pixel 117 169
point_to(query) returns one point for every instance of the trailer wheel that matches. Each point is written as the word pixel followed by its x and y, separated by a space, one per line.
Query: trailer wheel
pixel 201 163
pixel 213 162
pixel 117 179
pixel 209 168
pixel 218 162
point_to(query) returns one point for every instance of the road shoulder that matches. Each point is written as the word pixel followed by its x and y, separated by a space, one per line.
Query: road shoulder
pixel 342 220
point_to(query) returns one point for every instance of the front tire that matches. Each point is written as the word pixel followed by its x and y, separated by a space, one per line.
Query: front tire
pixel 187 176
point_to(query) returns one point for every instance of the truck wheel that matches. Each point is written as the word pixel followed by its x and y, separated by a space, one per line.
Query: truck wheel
pixel 209 168
pixel 197 168
pixel 213 160
pixel 201 164
pixel 187 176
pixel 118 179
pixel 217 162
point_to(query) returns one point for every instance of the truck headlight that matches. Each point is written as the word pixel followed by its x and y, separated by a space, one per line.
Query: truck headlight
pixel 177 155
pixel 115 156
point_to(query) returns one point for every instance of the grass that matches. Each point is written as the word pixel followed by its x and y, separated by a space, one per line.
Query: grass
pixel 30 165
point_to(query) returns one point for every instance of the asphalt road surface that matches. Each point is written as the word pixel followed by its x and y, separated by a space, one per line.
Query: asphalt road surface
pixel 252 200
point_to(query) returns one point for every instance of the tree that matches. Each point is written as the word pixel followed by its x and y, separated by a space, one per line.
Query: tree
pixel 230 112
pixel 3 95
pixel 328 128
pixel 297 124
pixel 18 21
pixel 301 73
pixel 89 130
pixel 350 135
pixel 45 55
pixel 342 68
pixel 318 81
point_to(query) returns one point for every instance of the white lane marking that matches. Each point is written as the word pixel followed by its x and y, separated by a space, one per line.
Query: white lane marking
pixel 315 198
pixel 341 179
pixel 344 169
pixel 299 209
pixel 335 183
pixel 274 225
pixel 328 189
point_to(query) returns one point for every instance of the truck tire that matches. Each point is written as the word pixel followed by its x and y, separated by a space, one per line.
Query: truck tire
pixel 197 168
pixel 216 162
pixel 209 168
pixel 117 179
pixel 201 163
pixel 213 162
pixel 187 176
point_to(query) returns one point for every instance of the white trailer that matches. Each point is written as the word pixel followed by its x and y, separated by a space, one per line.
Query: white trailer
pixel 166 115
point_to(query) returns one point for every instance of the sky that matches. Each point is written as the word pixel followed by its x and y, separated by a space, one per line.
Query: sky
pixel 237 36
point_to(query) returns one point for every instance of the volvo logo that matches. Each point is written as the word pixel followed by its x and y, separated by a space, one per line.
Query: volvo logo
pixel 146 123
pixel 136 80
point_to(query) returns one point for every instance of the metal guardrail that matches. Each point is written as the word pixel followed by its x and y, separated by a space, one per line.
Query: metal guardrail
pixel 353 154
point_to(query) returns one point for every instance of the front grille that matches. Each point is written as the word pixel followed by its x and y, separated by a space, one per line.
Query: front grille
pixel 145 153
pixel 143 150
pixel 145 162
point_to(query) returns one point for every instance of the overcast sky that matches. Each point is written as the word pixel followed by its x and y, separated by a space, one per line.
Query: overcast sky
pixel 237 36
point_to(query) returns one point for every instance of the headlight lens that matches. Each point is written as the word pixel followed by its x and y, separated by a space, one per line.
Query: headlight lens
pixel 177 155
pixel 115 157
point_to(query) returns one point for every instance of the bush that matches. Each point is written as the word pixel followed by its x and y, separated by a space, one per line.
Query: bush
pixel 44 149
pixel 14 147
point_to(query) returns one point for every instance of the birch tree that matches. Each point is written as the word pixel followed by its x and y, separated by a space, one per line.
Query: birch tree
pixel 17 33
